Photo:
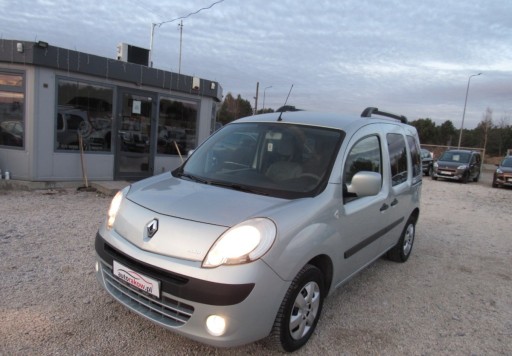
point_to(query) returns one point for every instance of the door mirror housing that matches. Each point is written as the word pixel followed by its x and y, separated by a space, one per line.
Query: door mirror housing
pixel 365 183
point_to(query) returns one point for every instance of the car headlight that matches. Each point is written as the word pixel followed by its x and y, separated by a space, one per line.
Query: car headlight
pixel 115 205
pixel 462 167
pixel 499 171
pixel 243 243
pixel 435 164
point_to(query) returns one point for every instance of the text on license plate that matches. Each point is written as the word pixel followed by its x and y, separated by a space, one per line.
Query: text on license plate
pixel 145 283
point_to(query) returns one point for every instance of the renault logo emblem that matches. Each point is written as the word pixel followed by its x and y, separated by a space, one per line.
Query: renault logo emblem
pixel 152 228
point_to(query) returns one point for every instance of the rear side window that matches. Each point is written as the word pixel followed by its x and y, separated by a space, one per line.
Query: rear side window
pixel 415 150
pixel 397 158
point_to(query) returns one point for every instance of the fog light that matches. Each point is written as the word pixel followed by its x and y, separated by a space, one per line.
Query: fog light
pixel 216 325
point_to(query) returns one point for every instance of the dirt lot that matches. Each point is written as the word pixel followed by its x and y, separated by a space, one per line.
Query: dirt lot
pixel 453 296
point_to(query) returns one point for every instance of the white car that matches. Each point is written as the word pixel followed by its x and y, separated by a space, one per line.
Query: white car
pixel 266 218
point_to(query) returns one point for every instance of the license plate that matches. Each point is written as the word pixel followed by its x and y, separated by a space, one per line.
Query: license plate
pixel 446 173
pixel 509 180
pixel 140 281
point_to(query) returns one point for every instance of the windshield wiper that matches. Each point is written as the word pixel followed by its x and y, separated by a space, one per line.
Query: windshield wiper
pixel 192 177
pixel 239 187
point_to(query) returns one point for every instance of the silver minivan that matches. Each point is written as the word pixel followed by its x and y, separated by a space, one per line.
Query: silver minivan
pixel 265 219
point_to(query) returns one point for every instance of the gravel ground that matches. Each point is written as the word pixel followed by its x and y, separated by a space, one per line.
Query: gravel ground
pixel 453 296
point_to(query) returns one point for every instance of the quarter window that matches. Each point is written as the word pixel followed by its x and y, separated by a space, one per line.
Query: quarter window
pixel 12 103
pixel 397 158
pixel 415 150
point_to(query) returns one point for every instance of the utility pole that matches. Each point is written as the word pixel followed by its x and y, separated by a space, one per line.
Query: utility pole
pixel 181 41
pixel 256 98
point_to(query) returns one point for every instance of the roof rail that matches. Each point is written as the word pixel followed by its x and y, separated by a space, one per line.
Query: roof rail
pixel 370 110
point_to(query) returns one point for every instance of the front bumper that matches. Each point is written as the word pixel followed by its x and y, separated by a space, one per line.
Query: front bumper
pixel 448 174
pixel 503 180
pixel 247 296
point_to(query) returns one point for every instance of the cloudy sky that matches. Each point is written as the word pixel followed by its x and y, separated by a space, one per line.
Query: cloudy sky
pixel 406 56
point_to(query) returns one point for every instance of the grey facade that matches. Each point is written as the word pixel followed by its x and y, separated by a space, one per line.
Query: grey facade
pixel 61 110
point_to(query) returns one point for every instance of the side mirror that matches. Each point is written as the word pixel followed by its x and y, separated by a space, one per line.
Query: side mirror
pixel 365 183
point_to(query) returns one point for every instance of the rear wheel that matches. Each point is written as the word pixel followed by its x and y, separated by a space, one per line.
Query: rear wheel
pixel 402 250
pixel 300 310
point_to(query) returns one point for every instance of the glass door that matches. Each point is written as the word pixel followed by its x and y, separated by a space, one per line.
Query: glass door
pixel 134 124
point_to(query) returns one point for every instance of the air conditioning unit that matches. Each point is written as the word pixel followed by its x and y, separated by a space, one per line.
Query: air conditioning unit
pixel 132 54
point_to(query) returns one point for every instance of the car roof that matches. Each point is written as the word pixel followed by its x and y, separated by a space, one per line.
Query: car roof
pixel 322 119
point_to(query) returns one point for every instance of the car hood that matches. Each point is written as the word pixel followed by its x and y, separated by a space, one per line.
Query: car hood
pixel 505 169
pixel 452 165
pixel 200 202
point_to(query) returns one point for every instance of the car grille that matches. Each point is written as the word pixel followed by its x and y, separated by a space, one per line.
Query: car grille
pixel 166 311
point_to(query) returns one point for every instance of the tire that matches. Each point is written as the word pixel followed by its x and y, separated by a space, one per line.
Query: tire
pixel 477 177
pixel 300 310
pixel 429 172
pixel 433 177
pixel 402 250
pixel 465 178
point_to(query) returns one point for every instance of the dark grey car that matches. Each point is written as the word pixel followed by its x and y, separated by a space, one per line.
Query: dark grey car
pixel 460 165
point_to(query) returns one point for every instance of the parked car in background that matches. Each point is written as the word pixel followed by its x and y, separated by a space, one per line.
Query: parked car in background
pixel 267 217
pixel 460 165
pixel 427 161
pixel 503 173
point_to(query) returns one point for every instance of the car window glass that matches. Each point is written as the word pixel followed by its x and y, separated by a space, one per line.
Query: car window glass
pixel 365 155
pixel 397 158
pixel 415 156
pixel 283 160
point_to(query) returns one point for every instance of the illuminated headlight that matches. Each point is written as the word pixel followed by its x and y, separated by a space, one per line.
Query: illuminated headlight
pixel 115 205
pixel 242 243
pixel 216 325
pixel 462 167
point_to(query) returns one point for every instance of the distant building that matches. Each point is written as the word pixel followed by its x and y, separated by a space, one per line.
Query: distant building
pixel 132 121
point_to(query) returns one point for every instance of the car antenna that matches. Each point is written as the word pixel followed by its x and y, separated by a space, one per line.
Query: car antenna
pixel 279 118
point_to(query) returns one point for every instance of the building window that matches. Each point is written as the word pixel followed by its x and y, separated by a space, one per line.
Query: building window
pixel 12 103
pixel 84 114
pixel 177 127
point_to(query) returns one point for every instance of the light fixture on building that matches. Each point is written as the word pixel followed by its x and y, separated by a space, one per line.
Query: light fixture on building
pixel 42 44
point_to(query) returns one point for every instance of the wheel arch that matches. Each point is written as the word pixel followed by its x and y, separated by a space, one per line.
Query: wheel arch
pixel 325 265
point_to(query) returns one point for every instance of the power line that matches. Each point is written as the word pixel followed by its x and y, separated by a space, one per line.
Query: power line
pixel 153 25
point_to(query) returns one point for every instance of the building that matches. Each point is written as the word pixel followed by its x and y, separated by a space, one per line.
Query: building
pixel 65 113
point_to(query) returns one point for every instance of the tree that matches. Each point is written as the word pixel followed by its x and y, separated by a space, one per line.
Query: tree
pixel 445 133
pixel 232 109
pixel 426 130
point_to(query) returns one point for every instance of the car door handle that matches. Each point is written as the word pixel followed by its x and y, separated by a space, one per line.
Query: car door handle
pixel 394 202
pixel 384 207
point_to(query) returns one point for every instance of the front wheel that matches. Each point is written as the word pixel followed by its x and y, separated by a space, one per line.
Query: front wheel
pixel 300 310
pixel 402 250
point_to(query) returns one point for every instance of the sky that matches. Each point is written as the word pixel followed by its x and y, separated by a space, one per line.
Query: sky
pixel 414 58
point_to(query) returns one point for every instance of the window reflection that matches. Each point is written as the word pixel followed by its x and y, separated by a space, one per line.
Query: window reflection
pixel 177 127
pixel 85 110
pixel 12 102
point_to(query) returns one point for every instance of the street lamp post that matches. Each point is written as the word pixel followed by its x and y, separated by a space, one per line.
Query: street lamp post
pixel 464 111
pixel 264 91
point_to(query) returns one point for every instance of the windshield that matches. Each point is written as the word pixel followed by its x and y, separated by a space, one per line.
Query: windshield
pixel 507 162
pixel 282 160
pixel 455 156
